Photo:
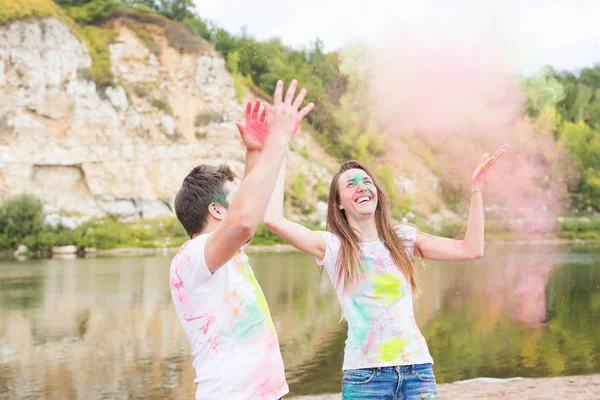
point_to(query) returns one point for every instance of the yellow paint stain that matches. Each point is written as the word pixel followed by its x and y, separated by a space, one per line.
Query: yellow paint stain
pixel 387 288
pixel 392 348
pixel 261 301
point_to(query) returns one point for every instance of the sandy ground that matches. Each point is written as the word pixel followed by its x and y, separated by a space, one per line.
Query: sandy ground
pixel 586 387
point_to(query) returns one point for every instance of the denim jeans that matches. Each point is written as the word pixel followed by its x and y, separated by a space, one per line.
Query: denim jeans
pixel 406 382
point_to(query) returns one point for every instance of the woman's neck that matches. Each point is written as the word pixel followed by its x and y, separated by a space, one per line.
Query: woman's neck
pixel 366 227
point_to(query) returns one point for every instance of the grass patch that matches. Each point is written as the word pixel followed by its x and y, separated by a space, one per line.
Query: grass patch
pixel 181 38
pixel 140 91
pixel 162 105
pixel 97 40
pixel 586 228
pixel 146 37
pixel 298 193
pixel 207 117
pixel 14 10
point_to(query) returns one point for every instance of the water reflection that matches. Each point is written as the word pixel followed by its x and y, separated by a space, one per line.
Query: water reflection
pixel 106 328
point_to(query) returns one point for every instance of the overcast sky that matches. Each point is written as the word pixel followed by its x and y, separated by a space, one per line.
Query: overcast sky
pixel 564 34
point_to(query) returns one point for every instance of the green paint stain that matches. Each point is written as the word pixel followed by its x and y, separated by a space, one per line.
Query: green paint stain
pixel 362 333
pixel 246 323
pixel 253 310
pixel 364 264
pixel 261 301
pixel 221 199
pixel 387 288
pixel 391 348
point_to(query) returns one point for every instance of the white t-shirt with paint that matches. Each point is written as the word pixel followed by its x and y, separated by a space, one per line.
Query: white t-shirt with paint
pixel 382 331
pixel 227 321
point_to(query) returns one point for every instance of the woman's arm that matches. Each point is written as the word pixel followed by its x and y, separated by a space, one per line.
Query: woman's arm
pixel 472 246
pixel 302 238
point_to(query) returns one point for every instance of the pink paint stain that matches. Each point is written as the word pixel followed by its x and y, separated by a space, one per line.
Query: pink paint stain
pixel 209 320
pixel 178 288
pixel 255 132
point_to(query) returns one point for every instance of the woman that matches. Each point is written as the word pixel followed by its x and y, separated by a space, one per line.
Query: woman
pixel 369 261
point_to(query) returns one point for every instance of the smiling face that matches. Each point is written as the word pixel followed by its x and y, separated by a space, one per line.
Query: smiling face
pixel 357 193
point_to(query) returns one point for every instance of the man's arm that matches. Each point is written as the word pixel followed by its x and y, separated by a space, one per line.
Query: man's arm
pixel 248 206
pixel 302 238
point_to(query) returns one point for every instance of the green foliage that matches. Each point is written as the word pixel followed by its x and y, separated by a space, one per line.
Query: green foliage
pixel 298 189
pixel 177 10
pixel 97 41
pixel 20 221
pixel 197 26
pixel 162 105
pixel 322 190
pixel 580 228
pixel 145 36
pixel 206 117
pixel 13 10
pixel 451 195
pixel 583 143
pixel 240 83
pixel 140 91
pixel 265 237
pixel 89 12
pixel 542 90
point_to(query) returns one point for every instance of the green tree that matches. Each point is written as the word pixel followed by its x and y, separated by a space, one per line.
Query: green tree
pixel 20 220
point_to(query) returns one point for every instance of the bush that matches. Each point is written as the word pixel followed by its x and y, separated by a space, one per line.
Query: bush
pixel 162 105
pixel 206 117
pixel 97 41
pixel 453 229
pixel 13 10
pixel 298 189
pixel 20 221
pixel 322 191
pixel 140 91
pixel 265 237
pixel 580 228
pixel 91 12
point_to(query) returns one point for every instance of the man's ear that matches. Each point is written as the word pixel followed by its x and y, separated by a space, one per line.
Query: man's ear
pixel 216 211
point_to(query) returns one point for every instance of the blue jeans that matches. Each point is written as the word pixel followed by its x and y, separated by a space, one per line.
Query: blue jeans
pixel 406 382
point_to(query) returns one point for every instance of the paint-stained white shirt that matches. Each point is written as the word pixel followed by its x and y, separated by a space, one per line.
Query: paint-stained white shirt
pixel 227 321
pixel 382 330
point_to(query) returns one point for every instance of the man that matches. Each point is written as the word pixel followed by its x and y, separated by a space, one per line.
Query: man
pixel 219 302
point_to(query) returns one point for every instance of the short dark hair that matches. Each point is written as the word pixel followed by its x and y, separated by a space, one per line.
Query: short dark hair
pixel 203 185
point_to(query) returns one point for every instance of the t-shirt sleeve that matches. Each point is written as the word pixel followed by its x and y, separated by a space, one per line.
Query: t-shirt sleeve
pixel 409 235
pixel 190 262
pixel 332 250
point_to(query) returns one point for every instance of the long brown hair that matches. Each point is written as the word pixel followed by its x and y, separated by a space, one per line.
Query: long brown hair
pixel 349 256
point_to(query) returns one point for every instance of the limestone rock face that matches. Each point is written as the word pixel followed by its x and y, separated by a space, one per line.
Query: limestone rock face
pixel 123 149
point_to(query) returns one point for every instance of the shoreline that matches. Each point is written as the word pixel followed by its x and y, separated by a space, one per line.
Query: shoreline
pixel 584 387
pixel 288 248
pixel 276 248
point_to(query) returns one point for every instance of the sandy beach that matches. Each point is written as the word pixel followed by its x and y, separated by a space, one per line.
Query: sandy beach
pixel 584 387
